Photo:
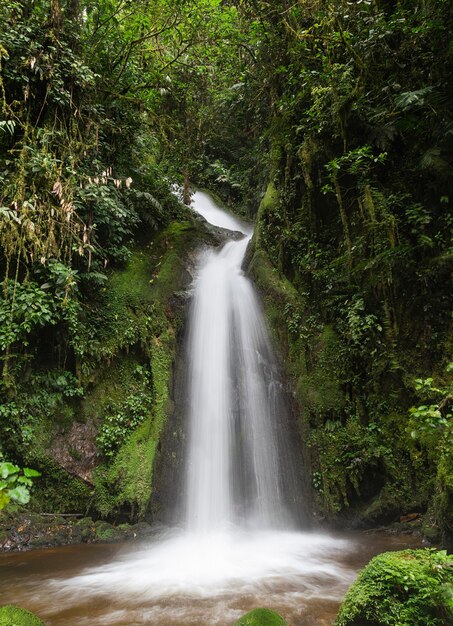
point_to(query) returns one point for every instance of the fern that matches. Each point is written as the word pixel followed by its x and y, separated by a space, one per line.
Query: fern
pixel 413 99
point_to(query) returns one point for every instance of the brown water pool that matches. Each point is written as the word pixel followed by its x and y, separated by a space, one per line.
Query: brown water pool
pixel 168 585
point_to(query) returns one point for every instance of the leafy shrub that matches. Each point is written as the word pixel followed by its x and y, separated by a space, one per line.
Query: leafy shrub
pixel 120 424
pixel 15 483
pixel 345 454
pixel 431 424
pixel 431 427
pixel 26 308
pixel 37 401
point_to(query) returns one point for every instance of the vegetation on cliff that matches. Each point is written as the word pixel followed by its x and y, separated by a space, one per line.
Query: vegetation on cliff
pixel 90 252
pixel 356 220
pixel 327 121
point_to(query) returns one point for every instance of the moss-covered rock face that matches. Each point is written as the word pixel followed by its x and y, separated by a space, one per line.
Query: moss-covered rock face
pixel 261 617
pixel 351 413
pixel 124 481
pixel 408 588
pixel 14 616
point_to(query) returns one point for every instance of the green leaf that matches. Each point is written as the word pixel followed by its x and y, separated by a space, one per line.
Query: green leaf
pixel 23 480
pixel 4 499
pixel 30 473
pixel 20 494
pixel 6 469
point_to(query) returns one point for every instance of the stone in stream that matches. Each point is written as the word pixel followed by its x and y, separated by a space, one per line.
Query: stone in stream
pixel 261 617
pixel 11 615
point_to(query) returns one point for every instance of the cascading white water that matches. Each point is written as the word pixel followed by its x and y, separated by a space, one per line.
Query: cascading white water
pixel 233 473
pixel 209 494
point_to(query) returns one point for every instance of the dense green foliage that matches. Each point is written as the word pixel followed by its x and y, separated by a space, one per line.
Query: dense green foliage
pixel 413 587
pixel 79 164
pixel 133 400
pixel 82 183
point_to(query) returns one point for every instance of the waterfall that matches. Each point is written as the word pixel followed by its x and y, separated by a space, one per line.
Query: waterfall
pixel 234 473
pixel 236 544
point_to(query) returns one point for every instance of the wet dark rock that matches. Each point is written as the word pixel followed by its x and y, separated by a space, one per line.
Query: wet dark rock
pixel 76 451
pixel 218 233
pixel 26 530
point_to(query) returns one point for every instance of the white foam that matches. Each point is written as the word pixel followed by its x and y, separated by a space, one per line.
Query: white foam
pixel 203 204
pixel 218 563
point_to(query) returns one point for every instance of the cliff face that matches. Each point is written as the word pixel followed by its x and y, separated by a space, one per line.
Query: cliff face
pixel 352 367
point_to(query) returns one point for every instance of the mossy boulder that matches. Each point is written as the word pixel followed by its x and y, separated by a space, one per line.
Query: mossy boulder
pixel 407 588
pixel 106 532
pixel 261 617
pixel 15 616
pixel 84 529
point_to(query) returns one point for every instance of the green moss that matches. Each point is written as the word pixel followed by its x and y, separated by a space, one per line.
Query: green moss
pixel 319 391
pixel 310 356
pixel 119 318
pixel 171 249
pixel 317 378
pixel 443 499
pixel 128 481
pixel 125 311
pixel 278 294
pixel 84 528
pixel 124 344
pixel 261 617
pixel 408 588
pixel 113 384
pixel 361 467
pixel 15 616
pixel 131 285
pixel 105 532
pixel 268 205
pixel 56 490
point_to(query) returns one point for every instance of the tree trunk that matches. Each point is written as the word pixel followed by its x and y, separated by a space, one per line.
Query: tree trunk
pixel 344 219
pixel 55 16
